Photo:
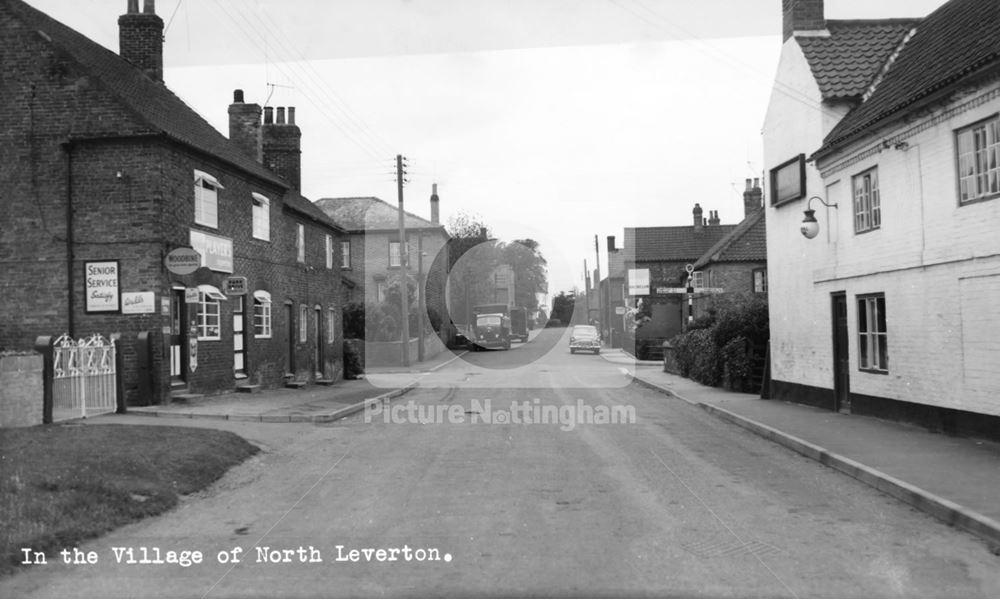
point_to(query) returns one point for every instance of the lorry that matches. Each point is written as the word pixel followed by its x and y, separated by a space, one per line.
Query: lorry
pixel 490 327
pixel 519 324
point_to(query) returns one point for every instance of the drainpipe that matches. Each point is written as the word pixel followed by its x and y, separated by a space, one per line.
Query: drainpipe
pixel 70 254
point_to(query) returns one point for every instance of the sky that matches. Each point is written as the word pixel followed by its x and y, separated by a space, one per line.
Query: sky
pixel 555 120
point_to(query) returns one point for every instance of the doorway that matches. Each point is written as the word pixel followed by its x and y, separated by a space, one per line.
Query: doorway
pixel 239 338
pixel 841 355
pixel 179 356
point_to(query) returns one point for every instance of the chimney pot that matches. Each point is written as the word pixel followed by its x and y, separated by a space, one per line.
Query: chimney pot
pixel 149 7
pixel 237 96
pixel 756 183
pixel 435 205
pixel 748 184
pixel 291 115
pixel 611 244
pixel 133 6
pixel 268 115
pixel 280 120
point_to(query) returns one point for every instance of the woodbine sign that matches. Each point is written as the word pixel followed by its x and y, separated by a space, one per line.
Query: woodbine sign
pixel 182 261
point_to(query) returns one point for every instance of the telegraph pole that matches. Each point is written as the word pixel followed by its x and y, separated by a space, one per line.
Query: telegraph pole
pixel 403 259
pixel 597 284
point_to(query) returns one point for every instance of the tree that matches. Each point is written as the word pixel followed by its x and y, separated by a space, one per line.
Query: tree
pixel 562 307
pixel 530 275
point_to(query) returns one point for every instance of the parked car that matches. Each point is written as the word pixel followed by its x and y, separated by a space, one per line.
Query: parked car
pixel 492 331
pixel 584 337
pixel 553 322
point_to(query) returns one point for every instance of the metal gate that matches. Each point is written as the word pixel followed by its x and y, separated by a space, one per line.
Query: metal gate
pixel 84 377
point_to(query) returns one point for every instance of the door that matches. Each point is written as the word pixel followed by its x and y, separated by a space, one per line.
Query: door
pixel 292 332
pixel 841 355
pixel 178 338
pixel 318 343
pixel 239 337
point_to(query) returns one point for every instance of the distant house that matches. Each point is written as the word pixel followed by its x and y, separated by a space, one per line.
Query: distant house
pixel 737 263
pixel 371 258
pixel 655 261
pixel 107 172
pixel 887 133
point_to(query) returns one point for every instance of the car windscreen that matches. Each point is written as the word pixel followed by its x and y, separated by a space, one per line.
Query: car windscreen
pixel 585 332
pixel 488 321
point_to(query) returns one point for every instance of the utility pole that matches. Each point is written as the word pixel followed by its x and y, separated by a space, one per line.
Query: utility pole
pixel 597 284
pixel 421 300
pixel 403 259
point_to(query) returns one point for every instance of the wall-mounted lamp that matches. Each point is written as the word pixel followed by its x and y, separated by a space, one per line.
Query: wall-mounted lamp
pixel 810 228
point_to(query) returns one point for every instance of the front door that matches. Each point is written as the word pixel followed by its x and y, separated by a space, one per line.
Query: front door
pixel 290 318
pixel 841 355
pixel 178 338
pixel 239 338
pixel 318 343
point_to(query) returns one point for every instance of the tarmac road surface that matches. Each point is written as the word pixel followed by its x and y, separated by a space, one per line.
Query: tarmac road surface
pixel 667 500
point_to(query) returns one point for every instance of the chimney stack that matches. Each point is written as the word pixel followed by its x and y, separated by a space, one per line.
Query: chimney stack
pixel 281 145
pixel 713 218
pixel 752 197
pixel 611 244
pixel 244 126
pixel 801 15
pixel 698 220
pixel 435 215
pixel 140 38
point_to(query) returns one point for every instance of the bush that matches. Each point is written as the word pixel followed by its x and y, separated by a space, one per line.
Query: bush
pixel 714 348
pixel 354 320
pixel 353 366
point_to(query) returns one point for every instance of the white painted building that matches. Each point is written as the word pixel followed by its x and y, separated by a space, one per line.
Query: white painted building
pixel 893 308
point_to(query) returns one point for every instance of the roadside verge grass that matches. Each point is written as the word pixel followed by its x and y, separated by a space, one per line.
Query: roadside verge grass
pixel 63 484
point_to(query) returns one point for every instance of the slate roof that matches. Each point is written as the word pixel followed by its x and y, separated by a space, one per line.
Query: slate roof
pixel 954 44
pixel 150 102
pixel 294 201
pixel 846 62
pixel 673 244
pixel 371 214
pixel 745 243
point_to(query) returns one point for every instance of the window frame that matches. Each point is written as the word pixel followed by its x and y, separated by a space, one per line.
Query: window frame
pixel 698 279
pixel 261 216
pixel 331 324
pixel 329 251
pixel 205 184
pixel 867 209
pixel 303 323
pixel 209 310
pixel 262 315
pixel 398 255
pixel 762 287
pixel 300 243
pixel 990 125
pixel 345 255
pixel 873 345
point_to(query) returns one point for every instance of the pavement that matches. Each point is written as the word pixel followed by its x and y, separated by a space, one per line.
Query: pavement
pixel 312 403
pixel 952 478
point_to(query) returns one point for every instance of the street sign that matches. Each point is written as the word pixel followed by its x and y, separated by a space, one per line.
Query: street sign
pixel 182 261
pixel 619 310
pixel 235 285
pixel 669 290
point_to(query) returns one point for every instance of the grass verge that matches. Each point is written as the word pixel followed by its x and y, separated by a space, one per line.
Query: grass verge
pixel 62 484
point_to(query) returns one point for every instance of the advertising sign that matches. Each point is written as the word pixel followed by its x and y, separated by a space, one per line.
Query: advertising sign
pixel 182 261
pixel 101 286
pixel 216 252
pixel 235 286
pixel 638 281
pixel 138 302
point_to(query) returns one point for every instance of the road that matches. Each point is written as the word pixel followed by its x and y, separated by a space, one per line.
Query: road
pixel 673 502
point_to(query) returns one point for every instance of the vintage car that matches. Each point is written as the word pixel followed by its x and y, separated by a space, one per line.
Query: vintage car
pixel 584 338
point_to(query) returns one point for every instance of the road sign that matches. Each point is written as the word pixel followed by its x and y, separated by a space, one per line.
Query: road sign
pixel 669 290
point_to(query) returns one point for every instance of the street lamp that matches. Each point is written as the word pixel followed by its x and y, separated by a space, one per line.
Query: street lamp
pixel 810 228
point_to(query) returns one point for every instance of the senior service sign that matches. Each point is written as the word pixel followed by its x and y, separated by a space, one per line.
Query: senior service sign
pixel 101 286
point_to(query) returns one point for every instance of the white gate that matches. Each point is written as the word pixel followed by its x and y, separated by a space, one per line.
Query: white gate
pixel 84 378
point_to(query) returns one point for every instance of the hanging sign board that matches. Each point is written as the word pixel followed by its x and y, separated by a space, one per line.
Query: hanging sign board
pixel 638 281
pixel 235 286
pixel 182 261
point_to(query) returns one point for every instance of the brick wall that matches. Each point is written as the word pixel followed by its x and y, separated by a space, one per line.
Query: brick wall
pixel 21 389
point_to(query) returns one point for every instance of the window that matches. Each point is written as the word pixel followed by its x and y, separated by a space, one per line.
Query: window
pixel 208 318
pixel 206 199
pixel 380 291
pixel 698 279
pixel 331 325
pixel 979 160
pixel 329 251
pixel 345 254
pixel 760 280
pixel 867 207
pixel 394 253
pixel 303 323
pixel 261 217
pixel 261 314
pixel 873 352
pixel 300 242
